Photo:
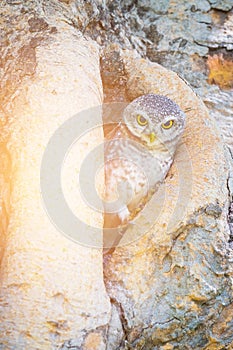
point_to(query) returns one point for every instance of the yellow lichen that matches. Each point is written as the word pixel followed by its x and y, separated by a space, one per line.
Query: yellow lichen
pixel 220 71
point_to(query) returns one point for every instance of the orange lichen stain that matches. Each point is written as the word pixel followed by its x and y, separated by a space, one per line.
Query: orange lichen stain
pixel 168 347
pixel 220 71
pixel 93 341
pixel 57 326
pixel 195 307
pixel 218 17
pixel 224 322
pixel 214 345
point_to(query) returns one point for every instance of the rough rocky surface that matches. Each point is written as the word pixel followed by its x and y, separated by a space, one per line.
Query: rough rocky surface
pixel 171 286
pixel 180 35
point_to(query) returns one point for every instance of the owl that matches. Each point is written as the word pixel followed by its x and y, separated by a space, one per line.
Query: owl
pixel 138 154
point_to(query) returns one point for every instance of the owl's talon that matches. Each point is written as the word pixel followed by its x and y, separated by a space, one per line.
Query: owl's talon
pixel 121 233
pixel 124 215
pixel 131 223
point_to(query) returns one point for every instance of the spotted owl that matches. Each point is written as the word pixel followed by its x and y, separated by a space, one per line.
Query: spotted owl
pixel 138 155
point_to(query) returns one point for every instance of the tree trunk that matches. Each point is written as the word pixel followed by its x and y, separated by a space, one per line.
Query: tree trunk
pixel 52 290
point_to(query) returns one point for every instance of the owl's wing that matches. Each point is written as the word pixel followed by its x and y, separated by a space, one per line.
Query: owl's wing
pixel 112 130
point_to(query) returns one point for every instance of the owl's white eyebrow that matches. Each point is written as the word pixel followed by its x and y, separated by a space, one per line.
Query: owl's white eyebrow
pixel 170 117
pixel 142 113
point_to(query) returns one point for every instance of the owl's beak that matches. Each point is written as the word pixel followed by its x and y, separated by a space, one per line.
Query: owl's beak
pixel 152 137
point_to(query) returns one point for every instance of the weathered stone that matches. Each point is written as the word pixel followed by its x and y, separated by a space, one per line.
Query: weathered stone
pixel 159 7
pixel 115 331
pixel 169 274
pixel 37 24
pixel 224 5
pixel 184 276
pixel 220 103
pixel 180 39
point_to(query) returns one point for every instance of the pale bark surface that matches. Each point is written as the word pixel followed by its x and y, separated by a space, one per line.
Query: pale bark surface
pixel 52 290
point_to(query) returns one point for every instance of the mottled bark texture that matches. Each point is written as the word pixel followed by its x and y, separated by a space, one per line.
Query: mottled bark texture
pixel 161 287
pixel 52 293
pixel 172 288
pixel 193 38
pixel 172 285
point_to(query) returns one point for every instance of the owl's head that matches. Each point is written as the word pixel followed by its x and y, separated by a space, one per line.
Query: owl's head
pixel 155 120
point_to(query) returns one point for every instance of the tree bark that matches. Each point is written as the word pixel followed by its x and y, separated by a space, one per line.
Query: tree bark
pixel 52 290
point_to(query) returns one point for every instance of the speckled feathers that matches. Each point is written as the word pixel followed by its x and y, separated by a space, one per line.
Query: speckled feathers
pixel 135 162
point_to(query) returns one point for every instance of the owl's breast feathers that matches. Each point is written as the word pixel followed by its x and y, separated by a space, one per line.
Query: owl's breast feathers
pixel 132 172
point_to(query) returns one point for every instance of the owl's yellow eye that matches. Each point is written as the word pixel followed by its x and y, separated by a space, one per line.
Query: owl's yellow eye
pixel 141 120
pixel 168 124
